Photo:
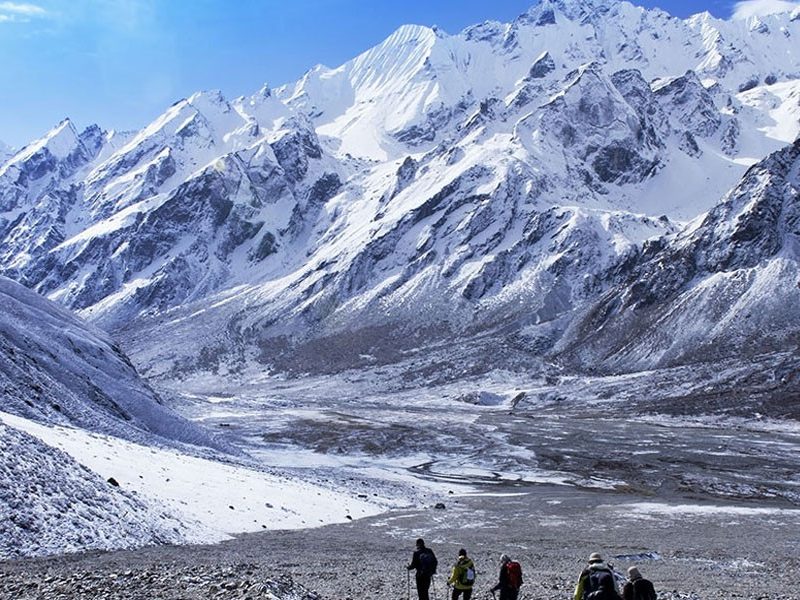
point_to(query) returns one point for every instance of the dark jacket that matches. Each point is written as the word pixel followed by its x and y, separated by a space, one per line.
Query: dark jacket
pixel 416 563
pixel 581 589
pixel 638 589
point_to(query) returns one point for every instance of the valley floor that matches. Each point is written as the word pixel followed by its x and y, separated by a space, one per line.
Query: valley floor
pixel 690 549
pixel 548 472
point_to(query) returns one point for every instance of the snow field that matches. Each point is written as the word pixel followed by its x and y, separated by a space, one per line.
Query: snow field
pixel 213 499
pixel 51 504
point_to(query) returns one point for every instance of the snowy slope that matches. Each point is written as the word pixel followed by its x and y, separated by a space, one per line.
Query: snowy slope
pixel 55 368
pixel 434 186
pixel 74 415
pixel 204 500
pixel 51 504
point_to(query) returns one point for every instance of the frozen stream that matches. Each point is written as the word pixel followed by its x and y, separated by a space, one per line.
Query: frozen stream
pixel 502 430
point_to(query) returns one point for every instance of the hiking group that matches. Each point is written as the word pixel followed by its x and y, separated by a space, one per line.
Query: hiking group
pixel 596 582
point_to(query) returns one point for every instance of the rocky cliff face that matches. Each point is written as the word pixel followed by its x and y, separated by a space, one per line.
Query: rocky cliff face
pixel 727 285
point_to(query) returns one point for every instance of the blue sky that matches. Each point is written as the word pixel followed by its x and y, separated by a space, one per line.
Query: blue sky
pixel 120 63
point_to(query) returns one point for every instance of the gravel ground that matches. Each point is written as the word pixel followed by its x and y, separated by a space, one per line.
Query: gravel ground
pixel 689 548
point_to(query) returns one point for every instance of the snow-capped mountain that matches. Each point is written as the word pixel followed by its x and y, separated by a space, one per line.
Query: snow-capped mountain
pixel 436 186
pixel 152 220
pixel 727 284
pixel 420 80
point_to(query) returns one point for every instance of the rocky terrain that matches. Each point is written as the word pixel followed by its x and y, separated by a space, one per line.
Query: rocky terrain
pixel 690 549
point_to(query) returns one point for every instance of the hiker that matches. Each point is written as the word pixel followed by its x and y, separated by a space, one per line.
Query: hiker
pixel 510 579
pixel 637 587
pixel 424 561
pixel 596 581
pixel 462 577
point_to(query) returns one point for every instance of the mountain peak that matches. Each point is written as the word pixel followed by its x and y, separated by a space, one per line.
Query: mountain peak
pixel 264 92
pixel 64 128
pixel 208 98
pixel 544 12
pixel 701 18
pixel 406 33
pixel 60 141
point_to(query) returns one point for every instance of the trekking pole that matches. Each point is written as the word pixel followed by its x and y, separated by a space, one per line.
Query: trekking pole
pixel 408 584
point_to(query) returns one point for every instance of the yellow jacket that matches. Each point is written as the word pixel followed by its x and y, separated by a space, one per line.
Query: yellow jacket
pixel 458 577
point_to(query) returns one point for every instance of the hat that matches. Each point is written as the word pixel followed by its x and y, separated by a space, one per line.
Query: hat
pixel 595 557
pixel 420 542
pixel 462 552
pixel 633 573
pixel 504 558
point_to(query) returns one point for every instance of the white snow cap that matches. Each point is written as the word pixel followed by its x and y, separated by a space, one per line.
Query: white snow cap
pixel 760 8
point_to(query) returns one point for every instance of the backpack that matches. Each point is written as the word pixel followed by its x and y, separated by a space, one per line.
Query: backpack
pixel 514 572
pixel 643 590
pixel 468 575
pixel 600 586
pixel 427 562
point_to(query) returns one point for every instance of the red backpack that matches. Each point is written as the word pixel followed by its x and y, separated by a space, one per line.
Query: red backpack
pixel 514 572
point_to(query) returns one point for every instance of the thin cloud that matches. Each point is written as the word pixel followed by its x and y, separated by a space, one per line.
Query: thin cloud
pixel 26 10
pixel 760 8
pixel 16 12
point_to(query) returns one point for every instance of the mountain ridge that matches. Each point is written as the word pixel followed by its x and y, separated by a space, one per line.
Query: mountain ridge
pixel 432 186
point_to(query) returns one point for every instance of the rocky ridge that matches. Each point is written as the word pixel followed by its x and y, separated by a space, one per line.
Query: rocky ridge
pixel 55 368
pixel 728 283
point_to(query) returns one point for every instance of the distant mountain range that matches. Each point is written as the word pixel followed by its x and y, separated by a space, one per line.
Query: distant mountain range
pixel 561 182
